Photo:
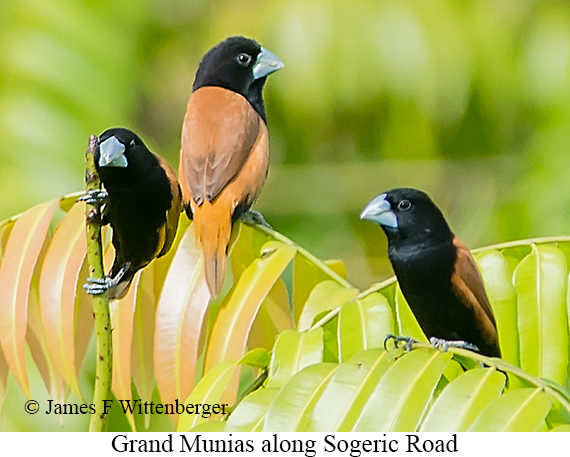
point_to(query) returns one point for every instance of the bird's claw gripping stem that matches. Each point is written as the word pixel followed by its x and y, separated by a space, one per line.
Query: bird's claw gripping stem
pixel 444 345
pixel 254 218
pixel 95 197
pixel 409 341
pixel 96 286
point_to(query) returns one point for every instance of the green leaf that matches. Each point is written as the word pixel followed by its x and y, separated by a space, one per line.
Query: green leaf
pixel 3 378
pixel 341 403
pixel 561 428
pixel 257 358
pixel 6 229
pixel 292 408
pixel 207 391
pixel 210 426
pixel 337 266
pixel 568 315
pixel 463 399
pixel 246 244
pixel 403 393
pixel 273 317
pixel 407 323
pixel 250 413
pixel 306 274
pixel 211 387
pixel 142 350
pixel 234 321
pixel 325 296
pixel 503 297
pixel 330 340
pixel 541 280
pixel 161 266
pixel 363 324
pixel 521 410
pixel 294 351
pixel 453 371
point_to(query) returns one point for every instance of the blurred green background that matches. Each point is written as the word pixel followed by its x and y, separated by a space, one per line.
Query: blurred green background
pixel 469 101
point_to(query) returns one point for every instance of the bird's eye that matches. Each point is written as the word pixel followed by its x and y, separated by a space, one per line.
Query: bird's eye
pixel 243 59
pixel 132 144
pixel 405 205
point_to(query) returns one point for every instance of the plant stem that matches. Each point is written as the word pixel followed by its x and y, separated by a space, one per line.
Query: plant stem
pixel 334 312
pixel 526 242
pixel 550 387
pixel 104 361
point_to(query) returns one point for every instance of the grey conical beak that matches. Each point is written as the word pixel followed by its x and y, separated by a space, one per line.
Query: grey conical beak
pixel 112 153
pixel 380 211
pixel 266 63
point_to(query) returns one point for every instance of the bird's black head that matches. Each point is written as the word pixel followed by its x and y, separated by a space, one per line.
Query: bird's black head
pixel 238 64
pixel 408 216
pixel 120 152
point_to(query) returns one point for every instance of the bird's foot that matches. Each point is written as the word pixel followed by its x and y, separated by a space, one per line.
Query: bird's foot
pixel 444 345
pixel 96 286
pixel 254 218
pixel 409 341
pixel 95 197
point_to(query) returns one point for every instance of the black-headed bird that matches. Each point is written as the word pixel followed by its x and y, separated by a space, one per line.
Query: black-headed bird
pixel 436 272
pixel 142 204
pixel 224 154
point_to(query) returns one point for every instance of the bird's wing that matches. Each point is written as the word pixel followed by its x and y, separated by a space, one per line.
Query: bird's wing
pixel 468 286
pixel 220 129
pixel 173 213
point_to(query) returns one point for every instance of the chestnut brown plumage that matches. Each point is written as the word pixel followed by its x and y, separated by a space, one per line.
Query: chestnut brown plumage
pixel 224 154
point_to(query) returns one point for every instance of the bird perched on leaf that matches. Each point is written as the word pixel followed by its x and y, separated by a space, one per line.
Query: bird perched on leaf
pixel 224 153
pixel 142 203
pixel 436 272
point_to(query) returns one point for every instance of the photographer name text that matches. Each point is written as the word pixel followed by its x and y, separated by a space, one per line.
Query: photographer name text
pixel 204 410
